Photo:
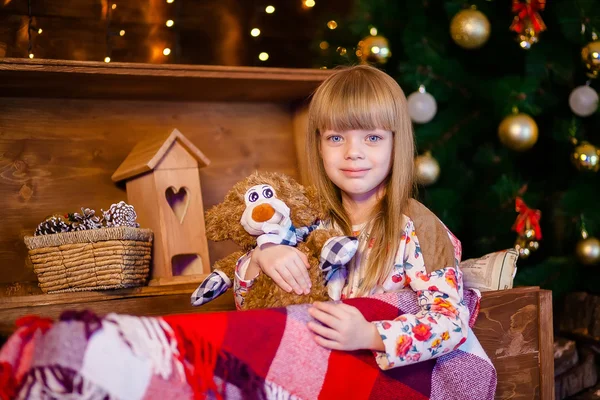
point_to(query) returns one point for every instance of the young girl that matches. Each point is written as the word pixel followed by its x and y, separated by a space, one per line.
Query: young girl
pixel 361 149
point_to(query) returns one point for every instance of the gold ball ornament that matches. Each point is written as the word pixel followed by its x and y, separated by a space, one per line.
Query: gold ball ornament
pixel 588 251
pixel 590 55
pixel 586 157
pixel 374 49
pixel 470 28
pixel 518 132
pixel 427 169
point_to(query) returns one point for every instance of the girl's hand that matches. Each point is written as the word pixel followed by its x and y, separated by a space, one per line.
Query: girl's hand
pixel 345 328
pixel 286 265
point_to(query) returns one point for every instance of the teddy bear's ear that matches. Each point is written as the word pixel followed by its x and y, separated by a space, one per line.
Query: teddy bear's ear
pixel 217 221
pixel 314 202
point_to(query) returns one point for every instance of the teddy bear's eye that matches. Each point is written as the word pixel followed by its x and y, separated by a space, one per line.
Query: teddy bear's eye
pixel 268 193
pixel 253 197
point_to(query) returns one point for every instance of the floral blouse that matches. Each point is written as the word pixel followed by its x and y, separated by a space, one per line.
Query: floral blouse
pixel 438 328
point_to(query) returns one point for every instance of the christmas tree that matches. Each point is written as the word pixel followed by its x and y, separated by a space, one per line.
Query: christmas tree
pixel 503 96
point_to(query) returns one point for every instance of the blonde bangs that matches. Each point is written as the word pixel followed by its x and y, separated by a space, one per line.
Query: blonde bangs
pixel 351 102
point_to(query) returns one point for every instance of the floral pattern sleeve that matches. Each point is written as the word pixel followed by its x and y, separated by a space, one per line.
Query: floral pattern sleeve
pixel 442 323
pixel 241 286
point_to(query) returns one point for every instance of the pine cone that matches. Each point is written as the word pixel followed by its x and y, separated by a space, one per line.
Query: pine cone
pixel 51 225
pixel 120 214
pixel 86 220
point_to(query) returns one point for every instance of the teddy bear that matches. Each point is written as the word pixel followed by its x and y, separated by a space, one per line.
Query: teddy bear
pixel 271 207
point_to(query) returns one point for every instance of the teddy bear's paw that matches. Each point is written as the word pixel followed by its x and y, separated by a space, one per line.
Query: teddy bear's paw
pixel 212 287
pixel 338 251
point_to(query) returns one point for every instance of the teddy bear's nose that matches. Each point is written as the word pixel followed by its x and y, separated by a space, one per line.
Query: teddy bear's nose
pixel 262 212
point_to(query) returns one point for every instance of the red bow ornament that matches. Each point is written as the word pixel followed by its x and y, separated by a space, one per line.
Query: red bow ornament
pixel 528 16
pixel 528 218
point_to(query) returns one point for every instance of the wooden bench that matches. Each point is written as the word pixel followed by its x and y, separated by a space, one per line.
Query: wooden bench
pixel 514 326
pixel 67 126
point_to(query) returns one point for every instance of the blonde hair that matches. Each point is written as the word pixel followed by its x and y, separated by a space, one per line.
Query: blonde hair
pixel 363 97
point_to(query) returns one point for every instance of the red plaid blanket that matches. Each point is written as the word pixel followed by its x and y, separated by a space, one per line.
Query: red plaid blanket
pixel 259 354
pixel 271 354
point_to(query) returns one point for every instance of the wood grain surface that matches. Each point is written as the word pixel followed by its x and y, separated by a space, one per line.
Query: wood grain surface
pixel 57 155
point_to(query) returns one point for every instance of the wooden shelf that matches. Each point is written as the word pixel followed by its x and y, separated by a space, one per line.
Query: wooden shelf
pixel 147 301
pixel 127 81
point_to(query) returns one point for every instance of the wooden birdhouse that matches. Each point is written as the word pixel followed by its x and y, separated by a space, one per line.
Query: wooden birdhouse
pixel 163 184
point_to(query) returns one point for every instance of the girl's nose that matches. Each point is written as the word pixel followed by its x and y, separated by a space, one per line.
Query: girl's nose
pixel 354 151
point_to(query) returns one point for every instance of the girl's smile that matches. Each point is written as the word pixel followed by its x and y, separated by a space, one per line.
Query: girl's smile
pixel 355 172
pixel 357 161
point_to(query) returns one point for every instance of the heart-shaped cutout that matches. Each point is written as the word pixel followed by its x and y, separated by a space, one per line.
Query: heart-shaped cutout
pixel 178 201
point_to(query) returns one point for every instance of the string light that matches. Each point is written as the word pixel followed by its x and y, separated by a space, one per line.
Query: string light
pixel 332 24
pixel 373 31
pixel 170 23
pixel 255 32
pixel 324 45
pixel 108 46
pixel 122 33
pixel 170 1
pixel 270 9
pixel 309 3
pixel 167 51
pixel 263 56
pixel 31 28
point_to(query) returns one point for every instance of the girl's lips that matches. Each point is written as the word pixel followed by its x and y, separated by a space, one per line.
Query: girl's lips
pixel 355 172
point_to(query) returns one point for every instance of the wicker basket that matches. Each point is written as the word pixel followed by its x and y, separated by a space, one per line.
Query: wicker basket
pixel 94 259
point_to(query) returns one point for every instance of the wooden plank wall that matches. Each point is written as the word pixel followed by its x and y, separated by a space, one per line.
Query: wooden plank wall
pixel 57 155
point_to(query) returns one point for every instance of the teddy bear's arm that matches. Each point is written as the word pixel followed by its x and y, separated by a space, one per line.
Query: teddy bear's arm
pixel 218 281
pixel 317 238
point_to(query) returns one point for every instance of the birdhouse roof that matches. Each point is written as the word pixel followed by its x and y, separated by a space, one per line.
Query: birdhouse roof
pixel 146 155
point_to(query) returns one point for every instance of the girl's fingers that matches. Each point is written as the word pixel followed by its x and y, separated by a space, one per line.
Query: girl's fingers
pixel 330 308
pixel 329 344
pixel 324 331
pixel 278 279
pixel 289 278
pixel 347 308
pixel 303 258
pixel 324 318
pixel 301 268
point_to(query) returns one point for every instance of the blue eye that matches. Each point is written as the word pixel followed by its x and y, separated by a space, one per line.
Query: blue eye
pixel 335 138
pixel 268 193
pixel 253 197
pixel 374 138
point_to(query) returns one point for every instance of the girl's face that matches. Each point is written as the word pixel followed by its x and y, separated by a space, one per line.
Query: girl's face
pixel 357 161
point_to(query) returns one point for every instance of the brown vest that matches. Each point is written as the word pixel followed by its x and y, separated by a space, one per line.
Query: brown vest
pixel 436 246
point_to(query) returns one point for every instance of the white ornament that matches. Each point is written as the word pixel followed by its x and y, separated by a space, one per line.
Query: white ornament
pixel 583 101
pixel 421 106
